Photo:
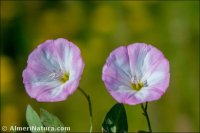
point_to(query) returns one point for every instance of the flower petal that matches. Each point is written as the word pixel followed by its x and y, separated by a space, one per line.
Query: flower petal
pixel 156 69
pixel 137 53
pixel 148 94
pixel 116 73
pixel 117 65
pixel 70 57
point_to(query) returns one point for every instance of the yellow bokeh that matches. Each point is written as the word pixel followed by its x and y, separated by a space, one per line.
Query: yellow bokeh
pixel 10 116
pixel 8 10
pixel 7 73
pixel 139 20
pixel 95 47
pixel 104 19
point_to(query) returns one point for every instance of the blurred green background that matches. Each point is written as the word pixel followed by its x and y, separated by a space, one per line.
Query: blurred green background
pixel 98 28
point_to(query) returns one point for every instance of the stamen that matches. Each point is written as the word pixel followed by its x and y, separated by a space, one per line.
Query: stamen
pixel 53 75
pixel 137 84
pixel 145 83
pixel 64 78
pixel 59 76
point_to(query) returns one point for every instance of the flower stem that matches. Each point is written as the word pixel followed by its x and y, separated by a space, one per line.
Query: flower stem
pixel 146 115
pixel 90 106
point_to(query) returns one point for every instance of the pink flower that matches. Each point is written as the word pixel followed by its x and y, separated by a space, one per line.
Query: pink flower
pixel 136 74
pixel 53 71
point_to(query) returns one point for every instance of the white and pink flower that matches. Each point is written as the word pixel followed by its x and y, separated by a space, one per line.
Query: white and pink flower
pixel 53 70
pixel 136 73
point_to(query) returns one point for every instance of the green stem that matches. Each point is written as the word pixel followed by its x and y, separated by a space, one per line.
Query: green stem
pixel 90 106
pixel 146 115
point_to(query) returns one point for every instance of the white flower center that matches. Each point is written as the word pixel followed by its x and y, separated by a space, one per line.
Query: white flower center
pixel 62 76
pixel 53 75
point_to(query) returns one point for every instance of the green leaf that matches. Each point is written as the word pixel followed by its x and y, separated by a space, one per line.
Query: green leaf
pixel 116 120
pixel 33 119
pixel 50 120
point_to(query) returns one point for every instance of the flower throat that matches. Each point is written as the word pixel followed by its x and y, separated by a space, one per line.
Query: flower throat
pixel 137 86
pixel 64 78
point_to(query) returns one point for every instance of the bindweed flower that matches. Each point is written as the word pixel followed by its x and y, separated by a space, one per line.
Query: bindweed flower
pixel 136 73
pixel 53 70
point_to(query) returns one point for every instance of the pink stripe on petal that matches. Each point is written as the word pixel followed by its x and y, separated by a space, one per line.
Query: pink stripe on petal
pixel 70 57
pixel 137 53
pixel 151 94
pixel 117 64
